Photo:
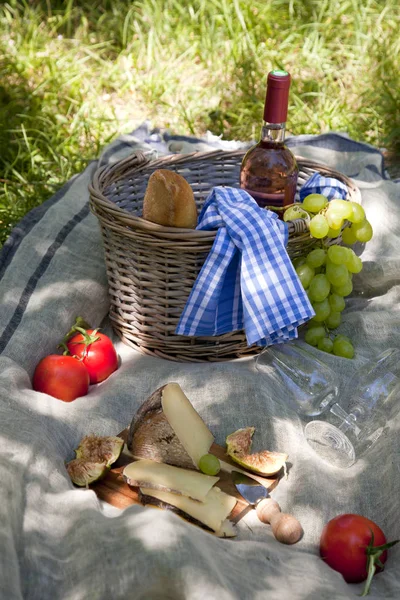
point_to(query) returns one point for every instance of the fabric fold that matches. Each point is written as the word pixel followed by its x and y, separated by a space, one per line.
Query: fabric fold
pixel 247 281
pixel 328 186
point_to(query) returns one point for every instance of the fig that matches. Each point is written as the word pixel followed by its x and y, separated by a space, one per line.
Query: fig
pixel 239 442
pixel 238 446
pixel 100 449
pixel 83 472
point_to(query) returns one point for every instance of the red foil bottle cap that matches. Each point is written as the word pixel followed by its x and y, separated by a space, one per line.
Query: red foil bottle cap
pixel 277 98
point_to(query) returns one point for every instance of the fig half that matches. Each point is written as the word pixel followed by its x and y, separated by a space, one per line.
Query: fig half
pixel 100 449
pixel 239 442
pixel 83 472
pixel 238 446
pixel 94 457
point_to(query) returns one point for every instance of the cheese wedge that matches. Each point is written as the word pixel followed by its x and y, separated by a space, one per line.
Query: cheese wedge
pixel 158 476
pixel 216 507
pixel 187 424
pixel 227 530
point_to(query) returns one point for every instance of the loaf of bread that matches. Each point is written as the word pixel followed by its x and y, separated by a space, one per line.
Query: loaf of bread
pixel 169 200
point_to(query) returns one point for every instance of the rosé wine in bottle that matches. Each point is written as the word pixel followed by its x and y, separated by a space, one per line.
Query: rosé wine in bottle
pixel 269 170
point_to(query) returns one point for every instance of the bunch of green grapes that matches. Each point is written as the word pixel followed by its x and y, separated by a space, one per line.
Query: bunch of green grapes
pixel 326 275
pixel 326 272
pixel 328 218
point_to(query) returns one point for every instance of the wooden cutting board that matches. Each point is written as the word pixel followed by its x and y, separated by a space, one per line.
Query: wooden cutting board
pixel 113 489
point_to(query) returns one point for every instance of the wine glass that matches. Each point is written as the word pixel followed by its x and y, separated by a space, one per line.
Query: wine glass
pixel 368 403
pixel 310 385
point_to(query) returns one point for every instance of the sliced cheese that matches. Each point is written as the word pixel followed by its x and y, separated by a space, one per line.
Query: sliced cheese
pixel 212 512
pixel 150 474
pixel 187 424
pixel 227 530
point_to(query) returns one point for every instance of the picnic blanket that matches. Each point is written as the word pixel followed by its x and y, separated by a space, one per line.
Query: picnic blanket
pixel 58 542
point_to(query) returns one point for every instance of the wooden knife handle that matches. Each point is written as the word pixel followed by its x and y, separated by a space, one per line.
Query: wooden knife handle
pixel 285 528
pixel 266 508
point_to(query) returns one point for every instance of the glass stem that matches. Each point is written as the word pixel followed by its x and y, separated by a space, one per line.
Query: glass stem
pixel 348 420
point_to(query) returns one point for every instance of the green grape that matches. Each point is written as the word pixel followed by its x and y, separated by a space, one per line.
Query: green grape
pixel 333 233
pixel 354 263
pixel 343 348
pixel 305 273
pixel 334 219
pixel 333 321
pixel 319 288
pixel 319 226
pixel 358 213
pixel 316 258
pixel 322 310
pixel 314 334
pixel 300 260
pixel 337 274
pixel 315 202
pixel 295 212
pixel 343 290
pixel 342 207
pixel 363 231
pixel 348 236
pixel 312 324
pixel 336 302
pixel 209 464
pixel 325 344
pixel 343 337
pixel 338 255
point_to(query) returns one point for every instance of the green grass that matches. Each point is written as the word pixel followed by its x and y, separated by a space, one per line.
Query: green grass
pixel 73 75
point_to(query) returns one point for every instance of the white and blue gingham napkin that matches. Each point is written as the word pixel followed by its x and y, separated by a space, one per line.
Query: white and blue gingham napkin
pixel 328 186
pixel 247 281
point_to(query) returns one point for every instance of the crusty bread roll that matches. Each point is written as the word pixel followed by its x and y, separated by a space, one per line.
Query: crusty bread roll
pixel 169 200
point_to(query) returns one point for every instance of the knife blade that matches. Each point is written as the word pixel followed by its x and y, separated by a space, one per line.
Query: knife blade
pixel 285 527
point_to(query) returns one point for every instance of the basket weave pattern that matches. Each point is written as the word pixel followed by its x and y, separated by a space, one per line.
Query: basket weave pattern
pixel 151 269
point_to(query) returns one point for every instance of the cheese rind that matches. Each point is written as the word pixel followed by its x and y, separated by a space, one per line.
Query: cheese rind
pixel 216 507
pixel 187 424
pixel 150 474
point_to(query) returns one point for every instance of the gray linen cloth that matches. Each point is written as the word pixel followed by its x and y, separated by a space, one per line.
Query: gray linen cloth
pixel 58 542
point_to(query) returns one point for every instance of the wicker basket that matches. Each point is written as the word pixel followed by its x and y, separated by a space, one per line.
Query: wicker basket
pixel 151 269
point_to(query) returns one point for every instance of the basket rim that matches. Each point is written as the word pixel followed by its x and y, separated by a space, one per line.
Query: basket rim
pixel 138 162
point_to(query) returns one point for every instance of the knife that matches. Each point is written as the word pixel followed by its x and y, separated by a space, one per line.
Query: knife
pixel 285 527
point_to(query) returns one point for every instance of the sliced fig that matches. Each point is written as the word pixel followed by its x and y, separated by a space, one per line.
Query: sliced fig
pixel 100 449
pixel 83 472
pixel 239 442
pixel 238 446
pixel 264 463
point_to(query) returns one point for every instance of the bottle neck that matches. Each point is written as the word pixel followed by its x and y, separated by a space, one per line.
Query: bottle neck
pixel 273 132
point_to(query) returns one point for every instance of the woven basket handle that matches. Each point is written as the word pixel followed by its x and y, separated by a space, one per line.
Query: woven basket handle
pixel 297 226
pixel 113 172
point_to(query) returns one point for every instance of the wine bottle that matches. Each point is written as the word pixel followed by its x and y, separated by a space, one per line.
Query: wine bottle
pixel 269 170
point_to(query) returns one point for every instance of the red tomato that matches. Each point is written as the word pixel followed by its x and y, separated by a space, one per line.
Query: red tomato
pixel 344 543
pixel 62 377
pixel 97 353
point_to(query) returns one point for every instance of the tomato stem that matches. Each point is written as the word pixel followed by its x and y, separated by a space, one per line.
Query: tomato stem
pixel 374 554
pixel 79 322
pixel 80 326
pixel 371 573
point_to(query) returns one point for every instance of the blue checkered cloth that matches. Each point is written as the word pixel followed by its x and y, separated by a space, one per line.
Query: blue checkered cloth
pixel 328 186
pixel 247 281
